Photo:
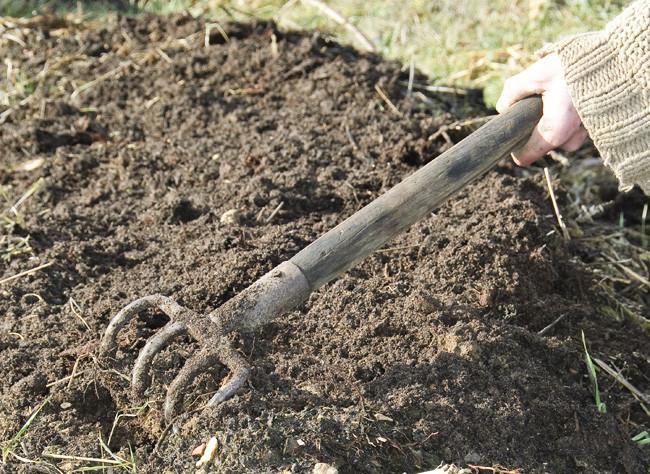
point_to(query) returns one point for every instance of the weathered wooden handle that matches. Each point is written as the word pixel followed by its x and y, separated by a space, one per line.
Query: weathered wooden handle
pixel 416 196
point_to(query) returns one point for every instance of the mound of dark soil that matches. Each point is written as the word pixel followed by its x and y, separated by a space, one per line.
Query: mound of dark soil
pixel 428 351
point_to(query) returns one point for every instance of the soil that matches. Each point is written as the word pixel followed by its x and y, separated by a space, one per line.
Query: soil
pixel 428 351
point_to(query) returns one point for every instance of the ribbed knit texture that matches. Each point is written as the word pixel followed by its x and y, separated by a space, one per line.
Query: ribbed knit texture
pixel 608 74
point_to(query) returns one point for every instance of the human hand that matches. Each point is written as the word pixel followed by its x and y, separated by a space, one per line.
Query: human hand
pixel 560 125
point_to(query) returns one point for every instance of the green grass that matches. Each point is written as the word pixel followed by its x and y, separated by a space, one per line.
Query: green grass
pixel 8 446
pixel 475 43
pixel 107 459
pixel 591 372
pixel 11 216
pixel 93 8
pixel 642 439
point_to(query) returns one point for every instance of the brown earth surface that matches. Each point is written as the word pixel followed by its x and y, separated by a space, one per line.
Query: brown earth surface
pixel 426 352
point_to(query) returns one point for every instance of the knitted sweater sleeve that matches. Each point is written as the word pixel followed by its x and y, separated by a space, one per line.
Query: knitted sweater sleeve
pixel 608 74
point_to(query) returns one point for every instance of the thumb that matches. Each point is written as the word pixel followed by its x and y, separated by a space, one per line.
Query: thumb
pixel 516 88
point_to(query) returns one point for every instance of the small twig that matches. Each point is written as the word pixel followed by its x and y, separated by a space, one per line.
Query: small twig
pixel 33 189
pixel 4 115
pixel 274 46
pixel 385 98
pixel 409 87
pixel 150 103
pixel 275 211
pixel 118 373
pixel 404 247
pixel 354 192
pixel 459 125
pixel 349 135
pixel 283 9
pixel 25 273
pixel 551 193
pixel 82 458
pixel 99 79
pixel 164 55
pixel 66 378
pixel 496 469
pixel 76 310
pixel 260 213
pixel 426 100
pixel 341 20
pixel 638 394
pixel 208 29
pixel 25 460
pixel 15 39
pixel 629 271
pixel 74 371
pixel 544 331
pixel 352 141
pixel 435 89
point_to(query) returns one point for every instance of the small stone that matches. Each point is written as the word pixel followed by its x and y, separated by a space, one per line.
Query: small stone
pixel 448 469
pixel 382 417
pixel 472 458
pixel 230 217
pixel 208 453
pixel 30 165
pixel 65 405
pixel 292 445
pixel 322 468
pixel 198 451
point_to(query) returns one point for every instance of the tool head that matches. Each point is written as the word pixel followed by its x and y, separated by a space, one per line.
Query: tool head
pixel 278 291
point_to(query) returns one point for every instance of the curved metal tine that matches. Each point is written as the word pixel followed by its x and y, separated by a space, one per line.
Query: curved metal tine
pixel 126 314
pixel 141 377
pixel 198 364
pixel 239 373
pixel 192 368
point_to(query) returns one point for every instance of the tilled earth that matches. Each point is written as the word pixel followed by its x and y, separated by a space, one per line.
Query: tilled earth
pixel 141 134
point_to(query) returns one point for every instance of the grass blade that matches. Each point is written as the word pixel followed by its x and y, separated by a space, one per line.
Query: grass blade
pixel 8 446
pixel 591 371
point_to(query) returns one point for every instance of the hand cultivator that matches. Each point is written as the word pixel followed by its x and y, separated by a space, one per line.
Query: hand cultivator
pixel 291 282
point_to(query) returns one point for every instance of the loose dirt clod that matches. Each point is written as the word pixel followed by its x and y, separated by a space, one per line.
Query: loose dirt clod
pixel 438 332
pixel 198 451
pixel 230 217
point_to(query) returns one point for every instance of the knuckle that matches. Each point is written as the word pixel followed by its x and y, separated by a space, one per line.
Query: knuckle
pixel 553 135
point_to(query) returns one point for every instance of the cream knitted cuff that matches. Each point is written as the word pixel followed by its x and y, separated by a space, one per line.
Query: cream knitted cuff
pixel 608 74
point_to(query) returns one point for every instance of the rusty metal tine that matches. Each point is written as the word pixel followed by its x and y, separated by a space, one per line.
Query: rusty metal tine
pixel 121 319
pixel 240 372
pixel 192 368
pixel 141 378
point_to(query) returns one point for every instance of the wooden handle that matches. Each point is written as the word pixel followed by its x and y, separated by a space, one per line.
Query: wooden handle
pixel 416 196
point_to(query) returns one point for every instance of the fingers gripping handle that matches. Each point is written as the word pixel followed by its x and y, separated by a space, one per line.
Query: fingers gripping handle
pixel 419 194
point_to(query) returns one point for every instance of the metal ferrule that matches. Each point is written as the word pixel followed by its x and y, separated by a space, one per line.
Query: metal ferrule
pixel 275 293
